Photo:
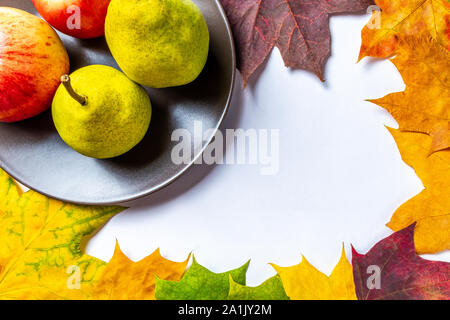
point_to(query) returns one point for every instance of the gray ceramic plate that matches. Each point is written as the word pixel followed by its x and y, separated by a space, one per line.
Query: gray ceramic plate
pixel 32 152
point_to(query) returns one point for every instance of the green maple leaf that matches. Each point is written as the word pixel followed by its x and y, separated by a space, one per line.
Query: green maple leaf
pixel 200 284
pixel 271 289
pixel 42 240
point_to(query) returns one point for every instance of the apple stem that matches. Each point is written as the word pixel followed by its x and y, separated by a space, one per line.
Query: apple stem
pixel 65 80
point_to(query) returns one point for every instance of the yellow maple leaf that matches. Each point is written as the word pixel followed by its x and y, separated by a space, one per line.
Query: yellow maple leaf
pixel 305 282
pixel 124 279
pixel 424 105
pixel 430 208
pixel 404 17
pixel 41 254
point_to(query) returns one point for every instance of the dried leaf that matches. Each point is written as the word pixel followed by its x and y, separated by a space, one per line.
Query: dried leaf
pixel 300 29
pixel 400 17
pixel 123 279
pixel 392 270
pixel 41 254
pixel 424 105
pixel 200 284
pixel 271 289
pixel 431 208
pixel 305 282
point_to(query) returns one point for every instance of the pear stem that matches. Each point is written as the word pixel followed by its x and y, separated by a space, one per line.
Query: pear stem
pixel 65 80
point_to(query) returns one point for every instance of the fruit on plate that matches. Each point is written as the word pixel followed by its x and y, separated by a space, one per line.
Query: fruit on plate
pixel 158 43
pixel 32 60
pixel 83 19
pixel 101 113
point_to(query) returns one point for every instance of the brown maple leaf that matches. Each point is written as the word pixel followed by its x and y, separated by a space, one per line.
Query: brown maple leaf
pixel 299 28
pixel 392 270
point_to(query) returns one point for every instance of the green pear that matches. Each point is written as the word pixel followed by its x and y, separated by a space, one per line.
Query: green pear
pixel 101 113
pixel 158 43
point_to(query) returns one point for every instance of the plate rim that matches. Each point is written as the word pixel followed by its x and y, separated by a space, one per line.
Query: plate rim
pixel 168 182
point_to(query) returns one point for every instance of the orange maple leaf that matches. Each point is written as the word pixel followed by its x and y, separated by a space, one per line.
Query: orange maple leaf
pixel 431 207
pixel 123 279
pixel 424 105
pixel 404 17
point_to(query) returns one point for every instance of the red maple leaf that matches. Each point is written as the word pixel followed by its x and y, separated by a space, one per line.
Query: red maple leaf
pixel 402 274
pixel 299 28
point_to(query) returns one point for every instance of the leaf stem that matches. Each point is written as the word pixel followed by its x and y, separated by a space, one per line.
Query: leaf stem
pixel 81 99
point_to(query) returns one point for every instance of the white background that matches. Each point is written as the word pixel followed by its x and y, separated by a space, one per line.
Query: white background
pixel 341 176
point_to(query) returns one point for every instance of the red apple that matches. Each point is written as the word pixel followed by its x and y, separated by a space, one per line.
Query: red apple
pixel 32 61
pixel 83 19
